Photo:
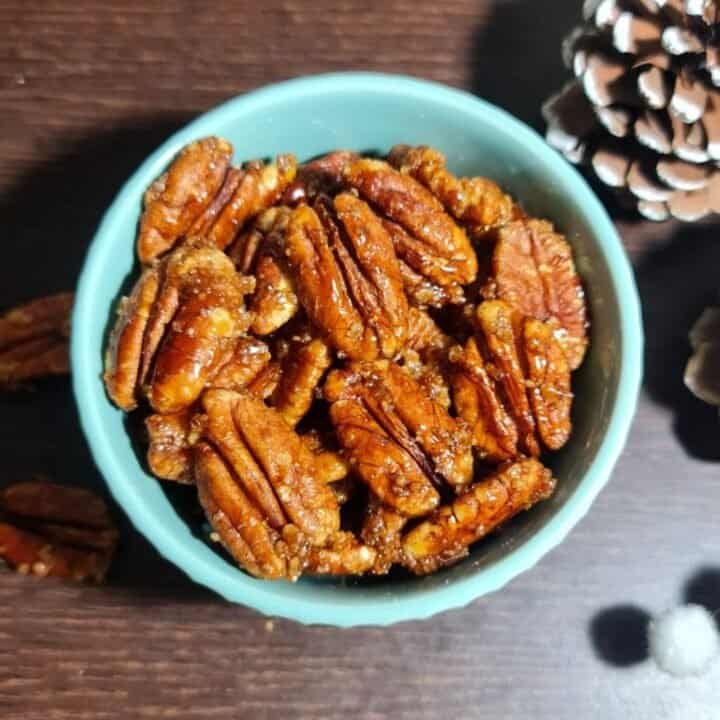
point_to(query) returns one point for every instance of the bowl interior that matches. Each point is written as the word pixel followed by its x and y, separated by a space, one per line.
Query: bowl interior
pixel 371 113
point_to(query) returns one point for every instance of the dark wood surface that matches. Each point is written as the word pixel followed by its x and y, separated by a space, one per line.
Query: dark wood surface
pixel 86 90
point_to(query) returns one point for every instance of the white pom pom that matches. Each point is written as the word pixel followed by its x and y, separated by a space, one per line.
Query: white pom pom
pixel 684 641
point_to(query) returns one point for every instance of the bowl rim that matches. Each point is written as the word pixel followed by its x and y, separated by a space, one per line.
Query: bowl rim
pixel 260 595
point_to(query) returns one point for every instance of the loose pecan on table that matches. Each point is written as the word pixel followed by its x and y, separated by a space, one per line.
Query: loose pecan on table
pixel 34 340
pixel 54 530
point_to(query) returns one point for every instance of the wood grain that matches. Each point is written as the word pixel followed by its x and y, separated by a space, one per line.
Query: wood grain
pixel 87 89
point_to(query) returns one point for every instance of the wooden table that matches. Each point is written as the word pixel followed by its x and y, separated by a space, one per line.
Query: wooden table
pixel 86 91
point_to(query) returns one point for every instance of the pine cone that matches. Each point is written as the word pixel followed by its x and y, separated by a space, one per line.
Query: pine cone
pixel 644 109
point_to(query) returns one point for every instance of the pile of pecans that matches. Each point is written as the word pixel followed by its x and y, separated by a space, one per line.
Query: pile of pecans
pixel 358 362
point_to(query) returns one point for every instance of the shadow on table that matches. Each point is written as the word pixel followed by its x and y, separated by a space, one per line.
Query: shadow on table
pixel 515 58
pixel 619 635
pixel 49 216
pixel 703 588
pixel 677 280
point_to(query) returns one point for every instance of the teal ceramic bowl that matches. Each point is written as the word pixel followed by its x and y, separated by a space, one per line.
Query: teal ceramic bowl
pixel 368 112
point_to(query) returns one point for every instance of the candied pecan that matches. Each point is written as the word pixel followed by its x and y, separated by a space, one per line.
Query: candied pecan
pixel 444 538
pixel 399 441
pixel 169 454
pixel 179 326
pixel 272 463
pixel 500 326
pixel 477 401
pixel 534 271
pixel 477 202
pixel 261 250
pixel 434 245
pixel 259 187
pixel 179 196
pixel 382 531
pixel 321 176
pixel 250 357
pixel 511 383
pixel 301 371
pixel 34 339
pixel 261 549
pixel 50 529
pixel 548 383
pixel 347 277
pixel 264 384
pixel 419 290
pixel 344 554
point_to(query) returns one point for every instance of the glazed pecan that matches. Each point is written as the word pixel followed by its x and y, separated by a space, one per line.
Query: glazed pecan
pixel 477 401
pixel 344 554
pixel 347 277
pixel 261 251
pixel 434 244
pixel 499 328
pixel 399 441
pixel 248 361
pixel 260 187
pixel 49 529
pixel 382 531
pixel 266 494
pixel 169 454
pixel 178 327
pixel 179 196
pixel 444 538
pixel 301 371
pixel 511 384
pixel 478 203
pixel 321 176
pixel 34 339
pixel 534 271
pixel 425 354
pixel 420 291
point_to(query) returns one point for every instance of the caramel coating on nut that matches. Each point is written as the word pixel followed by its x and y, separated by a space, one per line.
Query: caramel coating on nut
pixel 445 536
pixel 179 196
pixel 347 277
pixel 477 202
pixel 259 187
pixel 534 271
pixel 399 441
pixel 436 246
pixel 499 327
pixel 302 369
pixel 169 454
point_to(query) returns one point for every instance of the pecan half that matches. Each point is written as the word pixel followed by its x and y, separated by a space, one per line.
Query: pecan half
pixel 54 530
pixel 444 538
pixel 434 245
pixel 34 339
pixel 534 271
pixel 274 465
pixel 301 371
pixel 478 203
pixel 176 330
pixel 347 277
pixel 261 250
pixel 259 187
pixel 398 440
pixel 179 196
pixel 170 441
pixel 343 555
pixel 382 531
pixel 321 176
pixel 511 384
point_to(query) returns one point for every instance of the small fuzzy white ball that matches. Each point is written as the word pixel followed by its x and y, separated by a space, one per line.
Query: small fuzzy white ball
pixel 684 641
